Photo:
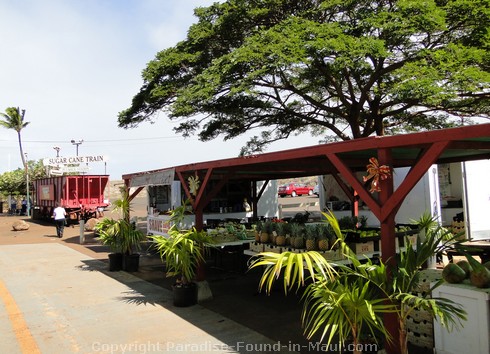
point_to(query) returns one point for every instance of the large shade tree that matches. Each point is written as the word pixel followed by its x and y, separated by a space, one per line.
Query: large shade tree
pixel 339 69
pixel 13 118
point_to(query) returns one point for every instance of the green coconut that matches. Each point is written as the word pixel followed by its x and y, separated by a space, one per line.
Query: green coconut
pixel 480 275
pixel 487 265
pixel 453 273
pixel 465 265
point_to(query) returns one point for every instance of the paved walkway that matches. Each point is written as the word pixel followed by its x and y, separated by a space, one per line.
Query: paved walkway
pixel 55 299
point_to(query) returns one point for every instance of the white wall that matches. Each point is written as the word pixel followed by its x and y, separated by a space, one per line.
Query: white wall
pixel 476 198
pixel 418 201
pixel 268 205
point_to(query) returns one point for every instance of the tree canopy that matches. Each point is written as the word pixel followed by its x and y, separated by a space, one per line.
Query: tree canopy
pixel 344 69
pixel 13 118
pixel 14 182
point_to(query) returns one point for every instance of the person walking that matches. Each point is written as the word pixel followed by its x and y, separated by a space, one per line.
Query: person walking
pixel 59 215
pixel 23 210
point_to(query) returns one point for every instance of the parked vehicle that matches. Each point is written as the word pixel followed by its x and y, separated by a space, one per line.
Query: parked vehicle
pixel 316 190
pixel 80 195
pixel 294 189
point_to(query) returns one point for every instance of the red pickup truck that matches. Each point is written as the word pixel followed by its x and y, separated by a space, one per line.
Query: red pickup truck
pixel 294 189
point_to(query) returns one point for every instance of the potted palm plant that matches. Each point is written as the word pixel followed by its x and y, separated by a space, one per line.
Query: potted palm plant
pixel 182 252
pixel 121 235
pixel 109 234
pixel 347 302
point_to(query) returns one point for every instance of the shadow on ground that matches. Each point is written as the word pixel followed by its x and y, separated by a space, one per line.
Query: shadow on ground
pixel 235 296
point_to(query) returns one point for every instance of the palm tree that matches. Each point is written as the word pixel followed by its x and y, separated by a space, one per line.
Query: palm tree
pixel 348 301
pixel 14 119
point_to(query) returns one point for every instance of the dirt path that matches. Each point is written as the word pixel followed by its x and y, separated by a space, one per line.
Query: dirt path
pixel 44 232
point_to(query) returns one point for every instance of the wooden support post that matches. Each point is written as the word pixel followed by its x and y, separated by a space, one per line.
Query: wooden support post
pixel 388 246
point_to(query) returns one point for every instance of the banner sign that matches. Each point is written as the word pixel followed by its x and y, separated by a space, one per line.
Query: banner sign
pixel 159 178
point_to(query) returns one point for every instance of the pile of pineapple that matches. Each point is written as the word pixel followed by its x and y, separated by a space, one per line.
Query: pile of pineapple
pixel 295 236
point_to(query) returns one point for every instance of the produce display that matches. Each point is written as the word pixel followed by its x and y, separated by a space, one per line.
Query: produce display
pixel 365 234
pixel 230 232
pixel 281 235
pixel 471 271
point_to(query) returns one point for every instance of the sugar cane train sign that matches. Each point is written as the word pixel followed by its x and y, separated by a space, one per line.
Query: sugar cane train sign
pixel 60 165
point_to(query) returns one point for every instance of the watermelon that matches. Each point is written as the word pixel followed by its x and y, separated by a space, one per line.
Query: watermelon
pixel 453 273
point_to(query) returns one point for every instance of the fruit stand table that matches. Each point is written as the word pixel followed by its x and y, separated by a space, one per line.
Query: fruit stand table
pixel 479 248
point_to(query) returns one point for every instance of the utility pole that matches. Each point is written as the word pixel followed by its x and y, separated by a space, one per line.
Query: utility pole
pixel 28 211
pixel 77 143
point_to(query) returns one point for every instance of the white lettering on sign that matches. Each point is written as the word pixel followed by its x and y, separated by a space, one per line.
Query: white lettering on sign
pixel 56 161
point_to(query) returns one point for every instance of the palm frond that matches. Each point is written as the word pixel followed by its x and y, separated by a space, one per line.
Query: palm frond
pixel 295 267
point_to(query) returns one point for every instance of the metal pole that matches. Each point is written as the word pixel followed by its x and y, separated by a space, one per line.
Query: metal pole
pixel 82 232
pixel 76 143
pixel 27 188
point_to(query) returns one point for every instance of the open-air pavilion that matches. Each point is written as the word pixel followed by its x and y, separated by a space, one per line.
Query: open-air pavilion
pixel 343 160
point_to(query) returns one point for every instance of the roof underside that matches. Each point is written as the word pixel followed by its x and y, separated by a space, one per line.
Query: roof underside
pixel 460 144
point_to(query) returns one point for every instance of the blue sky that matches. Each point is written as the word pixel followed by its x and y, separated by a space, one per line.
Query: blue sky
pixel 74 64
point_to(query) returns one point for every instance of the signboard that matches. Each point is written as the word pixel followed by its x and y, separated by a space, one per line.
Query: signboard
pixel 72 164
pixel 72 160
pixel 46 192
pixel 159 178
pixel 69 169
pixel 55 173
pixel 159 225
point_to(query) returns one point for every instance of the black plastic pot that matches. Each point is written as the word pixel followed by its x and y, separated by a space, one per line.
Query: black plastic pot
pixel 115 262
pixel 184 295
pixel 131 262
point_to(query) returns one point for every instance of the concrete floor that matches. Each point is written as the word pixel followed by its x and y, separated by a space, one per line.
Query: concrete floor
pixel 71 303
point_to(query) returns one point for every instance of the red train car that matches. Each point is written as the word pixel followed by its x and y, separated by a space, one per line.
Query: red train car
pixel 80 195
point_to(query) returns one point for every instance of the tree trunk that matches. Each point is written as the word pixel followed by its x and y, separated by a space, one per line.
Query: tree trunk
pixel 403 338
pixel 24 162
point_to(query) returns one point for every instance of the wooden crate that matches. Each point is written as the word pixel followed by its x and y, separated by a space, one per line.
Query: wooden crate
pixel 362 247
pixel 256 247
pixel 428 276
pixel 421 340
pixel 458 228
pixel 272 248
pixel 331 255
pixel 420 324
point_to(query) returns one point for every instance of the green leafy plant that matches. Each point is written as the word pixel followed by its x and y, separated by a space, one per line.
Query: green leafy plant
pixel 182 252
pixel 184 249
pixel 121 235
pixel 109 232
pixel 348 301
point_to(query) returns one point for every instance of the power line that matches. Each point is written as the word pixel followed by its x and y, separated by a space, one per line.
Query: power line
pixel 94 141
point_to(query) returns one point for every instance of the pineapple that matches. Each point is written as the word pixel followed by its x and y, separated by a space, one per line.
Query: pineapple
pixel 299 242
pixel 258 229
pixel 323 244
pixel 264 236
pixel 311 233
pixel 297 236
pixel 287 233
pixel 280 238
